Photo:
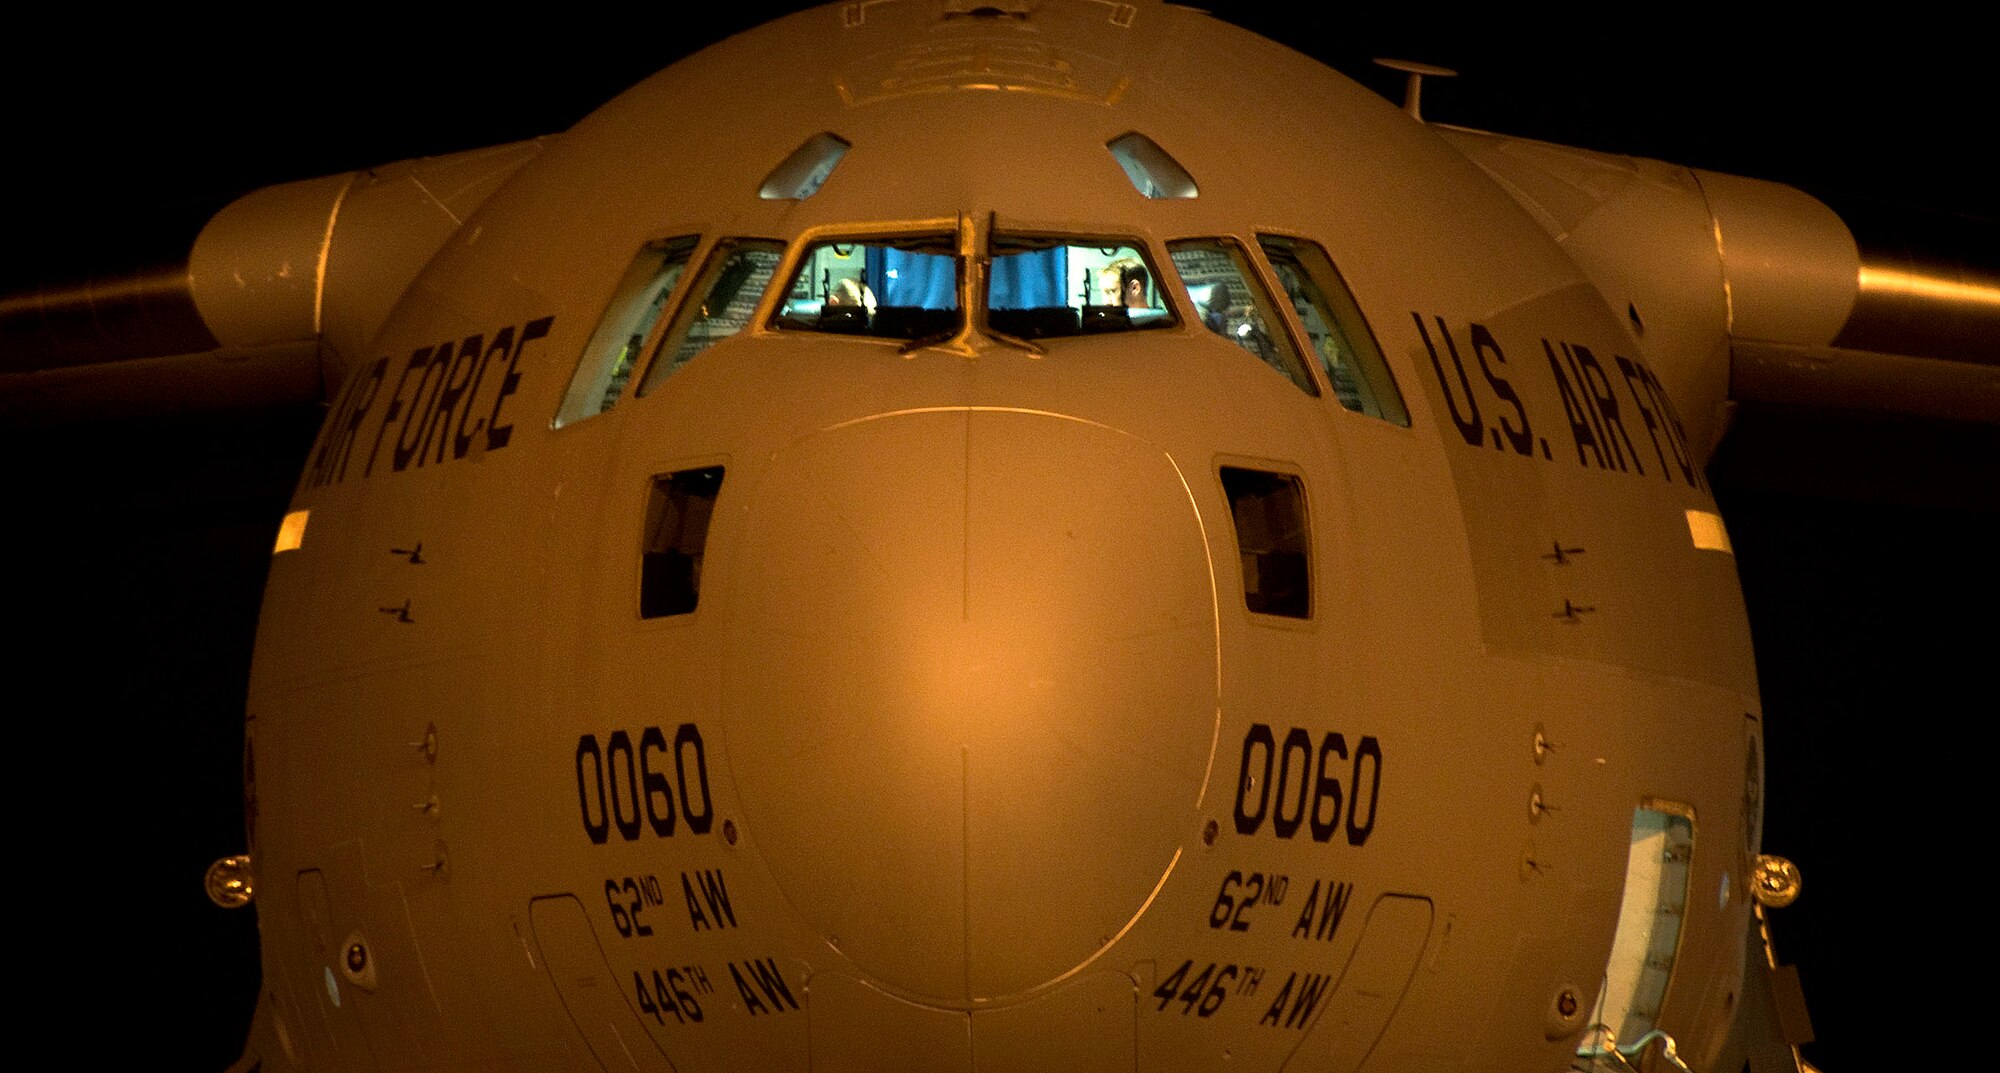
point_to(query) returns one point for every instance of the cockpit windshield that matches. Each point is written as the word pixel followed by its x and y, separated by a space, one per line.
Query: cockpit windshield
pixel 1037 287
pixel 899 288
pixel 1043 286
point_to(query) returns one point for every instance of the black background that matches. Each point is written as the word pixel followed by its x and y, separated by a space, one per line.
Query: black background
pixel 136 549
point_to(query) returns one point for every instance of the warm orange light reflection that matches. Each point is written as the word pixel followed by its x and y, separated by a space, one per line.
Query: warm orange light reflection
pixel 1882 279
pixel 1705 527
pixel 291 532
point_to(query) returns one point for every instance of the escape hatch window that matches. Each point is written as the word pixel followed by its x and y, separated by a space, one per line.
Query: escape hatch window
pixel 731 282
pixel 1041 286
pixel 1335 329
pixel 887 288
pixel 677 516
pixel 1643 950
pixel 1273 543
pixel 1235 306
pixel 621 334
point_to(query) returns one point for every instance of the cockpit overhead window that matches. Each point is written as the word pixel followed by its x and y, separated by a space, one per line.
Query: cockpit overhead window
pixel 1334 328
pixel 888 288
pixel 1235 306
pixel 1041 286
pixel 614 348
pixel 800 175
pixel 730 284
pixel 1154 171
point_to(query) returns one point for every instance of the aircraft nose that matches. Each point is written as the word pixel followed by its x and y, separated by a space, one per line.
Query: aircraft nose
pixel 970 690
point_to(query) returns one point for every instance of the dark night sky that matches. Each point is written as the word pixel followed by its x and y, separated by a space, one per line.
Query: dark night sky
pixel 137 549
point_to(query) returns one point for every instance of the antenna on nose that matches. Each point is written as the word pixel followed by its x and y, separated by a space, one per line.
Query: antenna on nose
pixel 1413 86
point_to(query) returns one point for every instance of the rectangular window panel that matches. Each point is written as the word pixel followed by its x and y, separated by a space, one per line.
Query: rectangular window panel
pixel 1273 542
pixel 677 516
pixel 731 283
pixel 1235 306
pixel 1040 286
pixel 622 332
pixel 1334 329
pixel 900 288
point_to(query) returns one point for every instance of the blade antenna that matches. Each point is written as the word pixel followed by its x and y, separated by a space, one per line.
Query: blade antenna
pixel 1413 84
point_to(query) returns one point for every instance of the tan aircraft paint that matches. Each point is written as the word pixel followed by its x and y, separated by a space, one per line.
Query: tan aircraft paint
pixel 971 671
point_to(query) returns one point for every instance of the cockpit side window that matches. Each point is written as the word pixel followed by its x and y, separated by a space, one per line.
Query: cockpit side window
pixel 1235 306
pixel 1042 286
pixel 1335 329
pixel 900 288
pixel 621 334
pixel 733 279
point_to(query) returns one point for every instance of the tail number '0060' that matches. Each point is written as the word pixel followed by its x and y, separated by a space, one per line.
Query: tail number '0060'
pixel 1307 792
pixel 628 790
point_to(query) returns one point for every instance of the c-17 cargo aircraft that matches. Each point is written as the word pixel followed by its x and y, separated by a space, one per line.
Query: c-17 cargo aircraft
pixel 865 691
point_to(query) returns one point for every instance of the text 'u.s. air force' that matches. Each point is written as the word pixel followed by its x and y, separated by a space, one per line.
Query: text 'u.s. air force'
pixel 1616 411
pixel 446 404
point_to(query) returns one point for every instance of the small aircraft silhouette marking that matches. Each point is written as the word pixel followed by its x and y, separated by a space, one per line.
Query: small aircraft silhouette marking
pixel 1559 554
pixel 1572 613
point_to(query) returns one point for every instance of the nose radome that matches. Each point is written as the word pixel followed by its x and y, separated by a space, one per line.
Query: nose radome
pixel 970 690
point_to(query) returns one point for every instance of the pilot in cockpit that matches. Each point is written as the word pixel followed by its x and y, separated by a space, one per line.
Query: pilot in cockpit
pixel 851 292
pixel 1127 283
pixel 1215 310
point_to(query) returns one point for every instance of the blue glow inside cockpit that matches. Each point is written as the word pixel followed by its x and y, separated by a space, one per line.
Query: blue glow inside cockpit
pixel 1036 287
pixel 904 288
pixel 1040 287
